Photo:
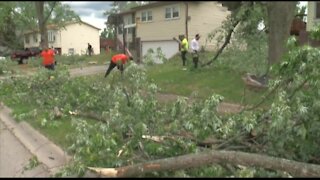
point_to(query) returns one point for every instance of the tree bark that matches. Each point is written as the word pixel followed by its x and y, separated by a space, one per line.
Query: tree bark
pixel 42 25
pixel 294 168
pixel 280 16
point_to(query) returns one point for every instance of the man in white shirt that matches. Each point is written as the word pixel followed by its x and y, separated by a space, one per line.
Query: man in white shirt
pixel 195 49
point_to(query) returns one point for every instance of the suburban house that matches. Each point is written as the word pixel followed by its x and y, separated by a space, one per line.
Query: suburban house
pixel 155 24
pixel 313 20
pixel 71 39
pixel 313 17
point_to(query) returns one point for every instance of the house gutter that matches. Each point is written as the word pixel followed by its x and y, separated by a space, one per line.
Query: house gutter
pixel 187 15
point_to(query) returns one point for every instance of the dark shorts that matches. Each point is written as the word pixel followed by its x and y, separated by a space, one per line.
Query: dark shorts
pixel 51 66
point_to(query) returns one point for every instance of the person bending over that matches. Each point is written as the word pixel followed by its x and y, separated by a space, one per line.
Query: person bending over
pixel 117 60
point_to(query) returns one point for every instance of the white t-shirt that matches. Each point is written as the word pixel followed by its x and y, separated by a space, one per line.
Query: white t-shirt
pixel 195 45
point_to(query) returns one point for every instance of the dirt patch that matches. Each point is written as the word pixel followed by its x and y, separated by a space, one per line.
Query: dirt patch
pixel 223 108
pixel 229 108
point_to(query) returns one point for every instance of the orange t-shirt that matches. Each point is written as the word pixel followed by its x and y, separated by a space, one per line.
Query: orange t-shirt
pixel 119 57
pixel 47 57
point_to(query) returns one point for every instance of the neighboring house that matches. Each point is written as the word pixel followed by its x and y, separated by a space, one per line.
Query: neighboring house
pixel 313 20
pixel 68 40
pixel 154 25
pixel 313 17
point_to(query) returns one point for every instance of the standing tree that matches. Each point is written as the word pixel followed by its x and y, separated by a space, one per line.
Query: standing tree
pixel 279 19
pixel 19 16
pixel 41 23
pixel 280 16
pixel 7 26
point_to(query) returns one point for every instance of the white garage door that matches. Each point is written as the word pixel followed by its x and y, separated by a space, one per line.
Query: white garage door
pixel 168 48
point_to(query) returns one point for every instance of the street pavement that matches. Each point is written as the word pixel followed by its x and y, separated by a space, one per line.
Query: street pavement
pixel 75 72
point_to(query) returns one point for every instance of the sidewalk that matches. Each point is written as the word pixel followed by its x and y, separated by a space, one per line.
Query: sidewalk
pixel 14 157
pixel 19 142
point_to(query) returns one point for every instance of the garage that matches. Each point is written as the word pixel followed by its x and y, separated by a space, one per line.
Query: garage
pixel 169 48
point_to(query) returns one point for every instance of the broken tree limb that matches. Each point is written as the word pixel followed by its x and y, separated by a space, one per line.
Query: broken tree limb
pixel 297 169
pixel 154 138
pixel 91 115
pixel 235 21
pixel 206 142
pixel 226 42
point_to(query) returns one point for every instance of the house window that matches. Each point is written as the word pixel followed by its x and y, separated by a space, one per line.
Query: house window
pixel 146 16
pixel 120 29
pixel 51 36
pixel 71 51
pixel 129 20
pixel 130 30
pixel 317 10
pixel 35 38
pixel 26 39
pixel 172 12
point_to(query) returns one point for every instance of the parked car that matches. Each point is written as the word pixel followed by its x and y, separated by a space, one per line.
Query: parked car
pixel 20 55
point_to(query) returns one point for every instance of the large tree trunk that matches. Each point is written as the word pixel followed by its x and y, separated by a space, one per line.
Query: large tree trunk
pixel 296 169
pixel 42 25
pixel 280 16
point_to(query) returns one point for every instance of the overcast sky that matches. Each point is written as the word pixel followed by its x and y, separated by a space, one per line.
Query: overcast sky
pixel 91 11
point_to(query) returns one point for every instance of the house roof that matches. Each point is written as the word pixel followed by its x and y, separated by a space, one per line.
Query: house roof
pixel 155 4
pixel 126 12
pixel 56 27
pixel 83 23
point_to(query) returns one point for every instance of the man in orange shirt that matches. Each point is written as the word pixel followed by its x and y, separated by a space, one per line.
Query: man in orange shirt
pixel 48 58
pixel 118 60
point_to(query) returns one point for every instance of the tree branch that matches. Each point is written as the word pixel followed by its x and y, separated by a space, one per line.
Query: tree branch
pixel 297 169
pixel 46 19
pixel 127 96
pixel 226 42
pixel 299 87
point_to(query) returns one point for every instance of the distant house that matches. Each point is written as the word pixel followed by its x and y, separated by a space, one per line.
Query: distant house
pixel 155 24
pixel 313 20
pixel 68 40
pixel 313 17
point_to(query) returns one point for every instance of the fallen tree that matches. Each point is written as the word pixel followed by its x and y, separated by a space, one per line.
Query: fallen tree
pixel 235 19
pixel 297 169
pixel 226 42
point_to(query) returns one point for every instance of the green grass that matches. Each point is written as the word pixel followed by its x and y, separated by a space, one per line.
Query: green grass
pixel 55 133
pixel 203 81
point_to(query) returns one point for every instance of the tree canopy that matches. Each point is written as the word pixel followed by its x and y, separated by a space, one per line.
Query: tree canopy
pixel 17 17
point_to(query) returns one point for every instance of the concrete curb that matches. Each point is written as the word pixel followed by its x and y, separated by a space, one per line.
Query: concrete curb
pixel 52 156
